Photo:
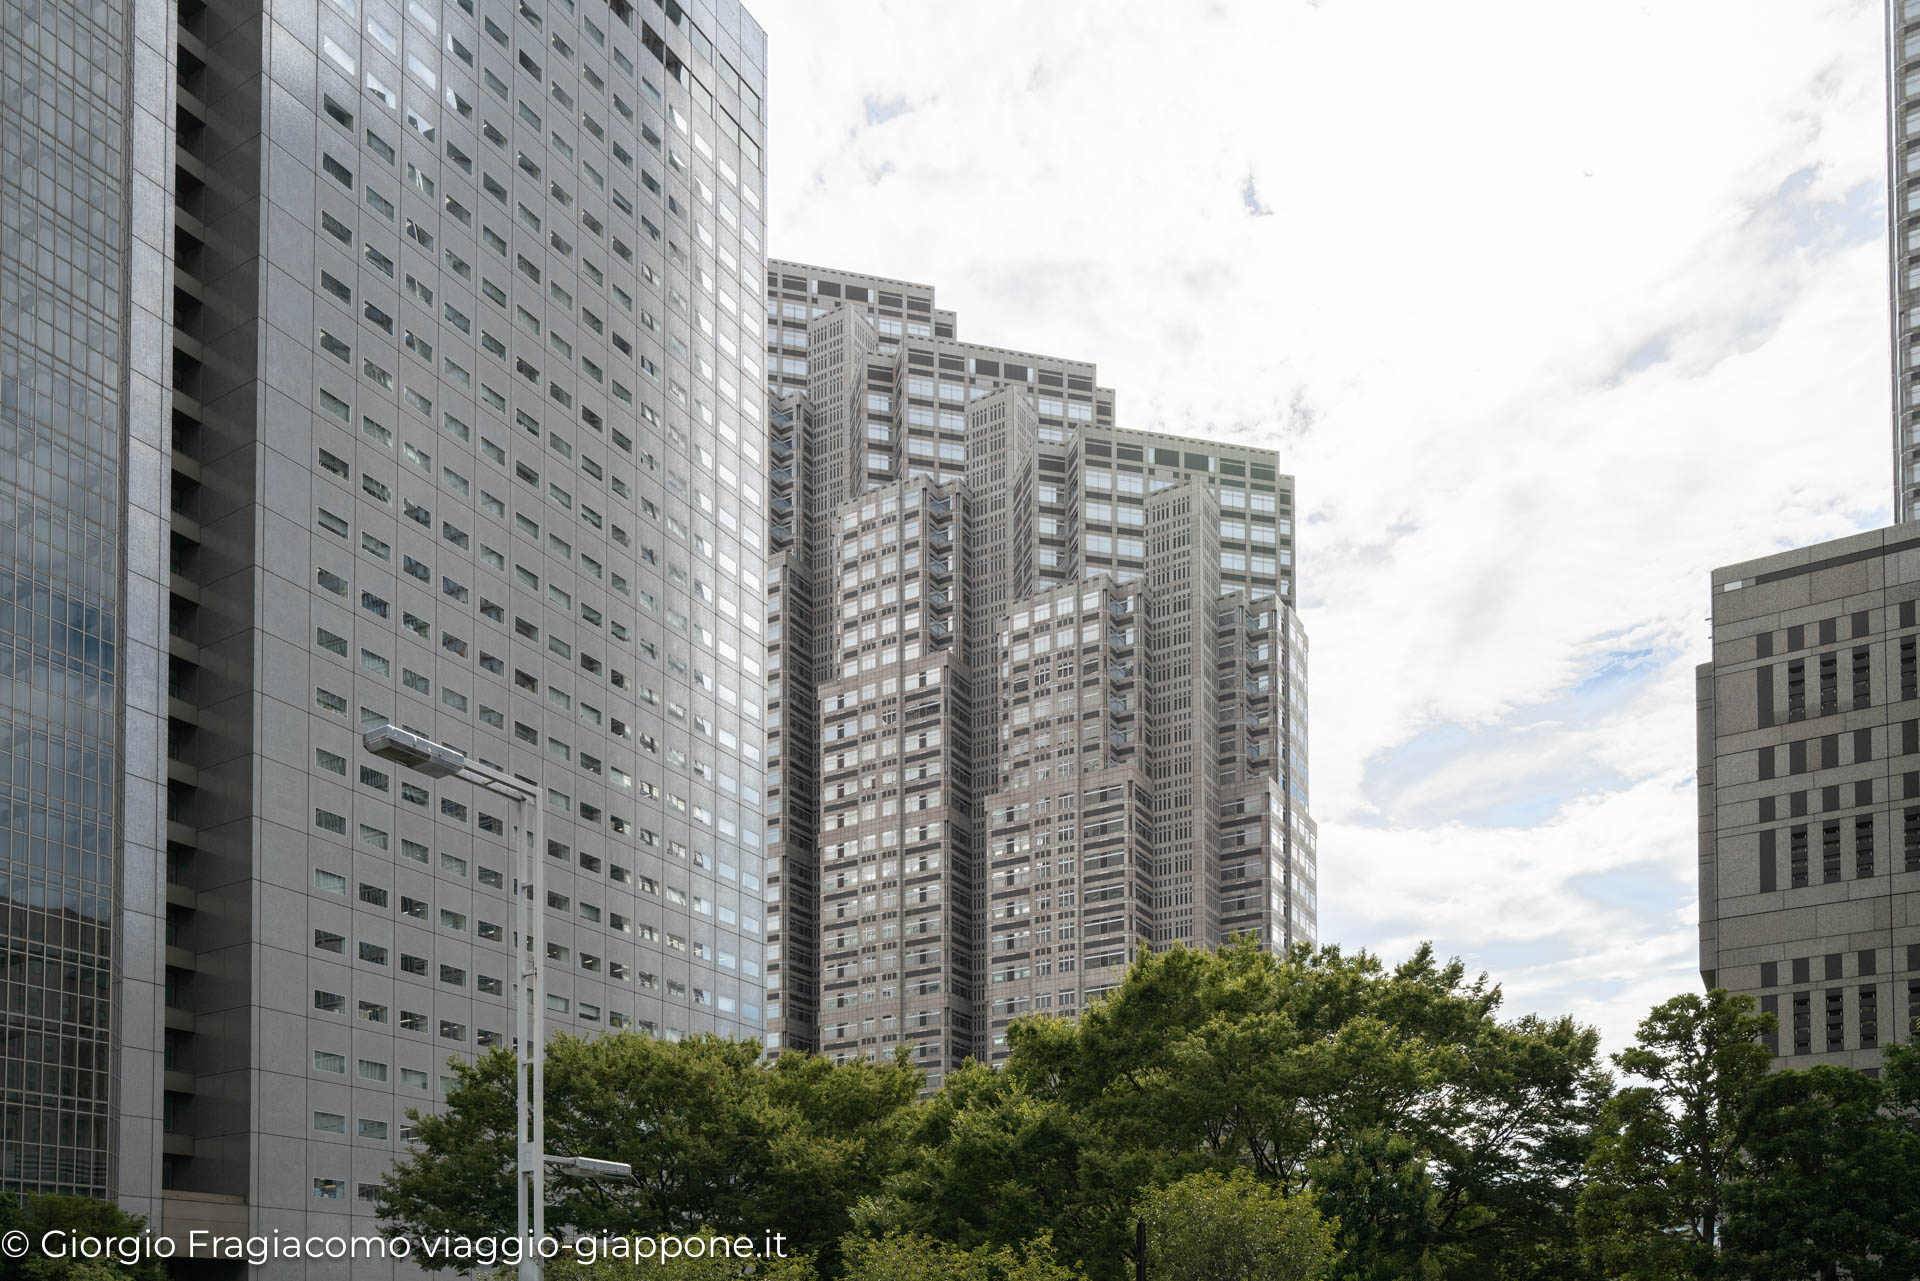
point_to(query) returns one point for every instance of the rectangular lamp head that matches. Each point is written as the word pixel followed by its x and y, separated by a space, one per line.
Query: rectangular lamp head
pixel 592 1167
pixel 415 751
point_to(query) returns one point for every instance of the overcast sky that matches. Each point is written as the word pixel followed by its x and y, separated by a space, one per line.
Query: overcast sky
pixel 1550 308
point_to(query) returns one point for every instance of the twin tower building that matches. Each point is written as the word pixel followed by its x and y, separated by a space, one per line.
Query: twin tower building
pixel 419 362
pixel 1036 690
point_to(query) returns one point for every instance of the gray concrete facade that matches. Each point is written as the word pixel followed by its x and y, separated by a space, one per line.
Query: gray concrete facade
pixel 1809 782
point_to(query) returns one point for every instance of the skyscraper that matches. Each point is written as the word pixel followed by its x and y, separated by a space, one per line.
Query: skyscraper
pixel 1002 628
pixel 1903 247
pixel 1809 753
pixel 1809 786
pixel 377 362
pixel 83 243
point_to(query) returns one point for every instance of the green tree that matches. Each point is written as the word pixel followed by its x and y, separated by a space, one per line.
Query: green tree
pixel 76 1218
pixel 916 1258
pixel 1390 1210
pixel 1304 1066
pixel 716 1139
pixel 1900 1069
pixel 569 1267
pixel 1306 1069
pixel 1826 1184
pixel 1656 1179
pixel 990 1162
pixel 1214 1227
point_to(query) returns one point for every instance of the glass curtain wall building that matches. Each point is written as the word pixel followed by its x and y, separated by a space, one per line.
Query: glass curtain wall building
pixel 367 361
pixel 80 435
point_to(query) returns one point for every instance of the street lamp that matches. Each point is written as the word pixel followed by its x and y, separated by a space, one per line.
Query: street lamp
pixel 588 1167
pixel 436 760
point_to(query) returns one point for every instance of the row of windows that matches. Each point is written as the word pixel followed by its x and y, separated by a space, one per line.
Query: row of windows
pixel 428 292
pixel 1799 1034
pixel 556 546
pixel 1832 865
pixel 374 837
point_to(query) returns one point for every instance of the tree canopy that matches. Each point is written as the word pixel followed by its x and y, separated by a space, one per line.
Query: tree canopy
pixel 1655 1182
pixel 716 1140
pixel 1319 1115
pixel 1445 1141
pixel 1215 1227
pixel 75 1218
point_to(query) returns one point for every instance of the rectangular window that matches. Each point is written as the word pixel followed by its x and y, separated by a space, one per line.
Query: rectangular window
pixel 1803 1023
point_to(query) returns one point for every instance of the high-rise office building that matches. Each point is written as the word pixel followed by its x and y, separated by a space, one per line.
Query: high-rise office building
pixel 1903 247
pixel 1037 693
pixel 84 177
pixel 373 361
pixel 1809 782
pixel 1808 746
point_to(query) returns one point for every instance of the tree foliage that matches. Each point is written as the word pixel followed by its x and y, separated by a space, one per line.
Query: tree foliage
pixel 709 1267
pixel 987 1162
pixel 1319 1115
pixel 75 1217
pixel 1315 1069
pixel 1824 1182
pixel 1655 1183
pixel 716 1140
pixel 1215 1227
pixel 918 1258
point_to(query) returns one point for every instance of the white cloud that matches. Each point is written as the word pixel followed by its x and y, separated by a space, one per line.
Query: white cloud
pixel 1550 308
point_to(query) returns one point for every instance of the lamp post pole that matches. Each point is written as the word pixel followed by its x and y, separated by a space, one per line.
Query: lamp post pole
pixel 435 760
pixel 530 1067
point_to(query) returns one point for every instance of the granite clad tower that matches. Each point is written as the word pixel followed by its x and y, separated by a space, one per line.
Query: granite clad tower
pixel 1808 728
pixel 1809 779
pixel 1037 692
